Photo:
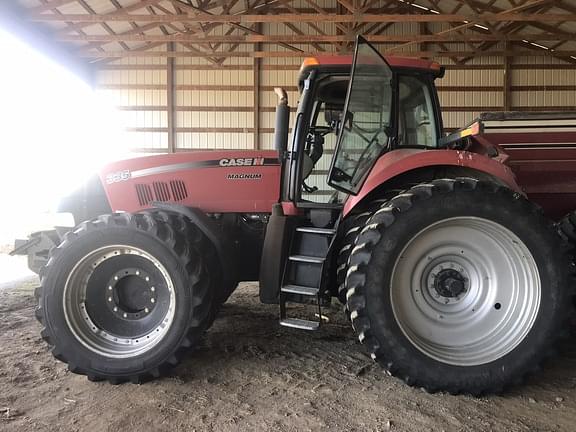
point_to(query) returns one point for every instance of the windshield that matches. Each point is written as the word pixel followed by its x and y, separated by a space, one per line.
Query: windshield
pixel 366 125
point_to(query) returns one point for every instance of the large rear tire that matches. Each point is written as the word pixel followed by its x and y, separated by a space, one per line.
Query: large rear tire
pixel 459 286
pixel 351 227
pixel 124 295
pixel 351 231
pixel 567 230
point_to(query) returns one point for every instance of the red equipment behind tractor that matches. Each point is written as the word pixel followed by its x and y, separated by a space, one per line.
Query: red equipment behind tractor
pixel 452 277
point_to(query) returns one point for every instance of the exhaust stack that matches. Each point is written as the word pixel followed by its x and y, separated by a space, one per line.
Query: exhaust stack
pixel 282 121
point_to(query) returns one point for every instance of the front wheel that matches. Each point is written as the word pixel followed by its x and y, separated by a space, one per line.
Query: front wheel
pixel 458 285
pixel 124 295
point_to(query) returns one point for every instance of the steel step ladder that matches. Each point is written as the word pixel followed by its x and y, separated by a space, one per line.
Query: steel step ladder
pixel 302 279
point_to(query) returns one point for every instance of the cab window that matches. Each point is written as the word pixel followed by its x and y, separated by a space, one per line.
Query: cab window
pixel 416 121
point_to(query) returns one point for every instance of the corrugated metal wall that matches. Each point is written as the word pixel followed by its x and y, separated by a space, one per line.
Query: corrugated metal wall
pixel 214 103
pixel 138 87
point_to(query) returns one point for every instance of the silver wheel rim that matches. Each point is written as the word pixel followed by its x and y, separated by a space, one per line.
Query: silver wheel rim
pixel 490 308
pixel 82 324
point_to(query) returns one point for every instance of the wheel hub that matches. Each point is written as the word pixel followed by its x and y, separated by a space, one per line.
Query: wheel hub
pixel 450 283
pixel 131 294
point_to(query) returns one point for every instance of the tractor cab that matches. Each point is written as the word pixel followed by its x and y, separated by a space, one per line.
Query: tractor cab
pixel 352 110
pixel 391 104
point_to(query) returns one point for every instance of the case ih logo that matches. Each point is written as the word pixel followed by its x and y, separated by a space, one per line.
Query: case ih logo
pixel 241 162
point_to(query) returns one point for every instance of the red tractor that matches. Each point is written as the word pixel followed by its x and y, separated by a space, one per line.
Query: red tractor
pixel 452 278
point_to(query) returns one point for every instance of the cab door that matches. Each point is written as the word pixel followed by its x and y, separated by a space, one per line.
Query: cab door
pixel 367 127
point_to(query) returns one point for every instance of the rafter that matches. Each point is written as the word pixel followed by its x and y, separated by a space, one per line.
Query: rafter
pixel 193 29
pixel 104 25
pixel 509 28
pixel 300 38
pixel 436 4
pixel 57 12
pixel 232 23
pixel 49 6
pixel 515 26
pixel 103 58
pixel 338 18
pixel 324 13
pixel 77 26
pixel 193 24
pixel 472 23
pixel 279 54
pixel 347 5
pixel 536 23
pixel 310 25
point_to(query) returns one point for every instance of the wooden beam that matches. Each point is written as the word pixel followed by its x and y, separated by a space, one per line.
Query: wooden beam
pixel 291 54
pixel 349 6
pixel 170 100
pixel 517 66
pixel 335 18
pixel 132 36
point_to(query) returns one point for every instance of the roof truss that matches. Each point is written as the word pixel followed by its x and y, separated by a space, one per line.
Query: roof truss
pixel 220 29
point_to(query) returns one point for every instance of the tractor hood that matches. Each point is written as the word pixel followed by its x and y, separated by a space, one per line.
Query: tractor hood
pixel 213 181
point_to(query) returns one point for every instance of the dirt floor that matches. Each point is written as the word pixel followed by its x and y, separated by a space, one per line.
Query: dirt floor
pixel 252 375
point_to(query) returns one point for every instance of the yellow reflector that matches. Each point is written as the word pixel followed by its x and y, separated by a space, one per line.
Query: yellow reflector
pixel 309 61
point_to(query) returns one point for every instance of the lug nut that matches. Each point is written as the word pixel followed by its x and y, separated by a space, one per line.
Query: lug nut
pixel 152 300
pixel 109 299
pixel 115 309
pixel 152 289
pixel 147 278
pixel 110 287
pixel 137 273
pixel 146 310
pixel 125 315
pixel 115 277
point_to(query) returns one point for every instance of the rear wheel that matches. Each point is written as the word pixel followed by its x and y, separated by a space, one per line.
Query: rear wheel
pixel 458 285
pixel 124 295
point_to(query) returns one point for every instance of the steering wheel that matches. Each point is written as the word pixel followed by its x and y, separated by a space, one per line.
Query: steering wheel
pixel 363 159
pixel 320 130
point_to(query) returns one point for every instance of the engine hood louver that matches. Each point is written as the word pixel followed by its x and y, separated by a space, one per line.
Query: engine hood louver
pixel 175 190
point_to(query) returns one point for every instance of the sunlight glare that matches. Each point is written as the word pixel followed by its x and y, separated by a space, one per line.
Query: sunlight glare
pixel 55 131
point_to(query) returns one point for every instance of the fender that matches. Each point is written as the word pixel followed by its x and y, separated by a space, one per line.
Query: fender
pixel 210 230
pixel 402 161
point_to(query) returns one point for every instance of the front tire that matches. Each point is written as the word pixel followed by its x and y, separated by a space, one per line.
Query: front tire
pixel 124 295
pixel 458 285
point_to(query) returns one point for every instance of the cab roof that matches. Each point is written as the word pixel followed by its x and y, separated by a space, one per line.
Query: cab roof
pixel 394 62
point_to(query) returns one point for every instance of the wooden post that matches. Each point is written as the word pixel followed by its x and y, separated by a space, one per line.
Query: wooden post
pixel 256 82
pixel 423 30
pixel 170 96
pixel 507 87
